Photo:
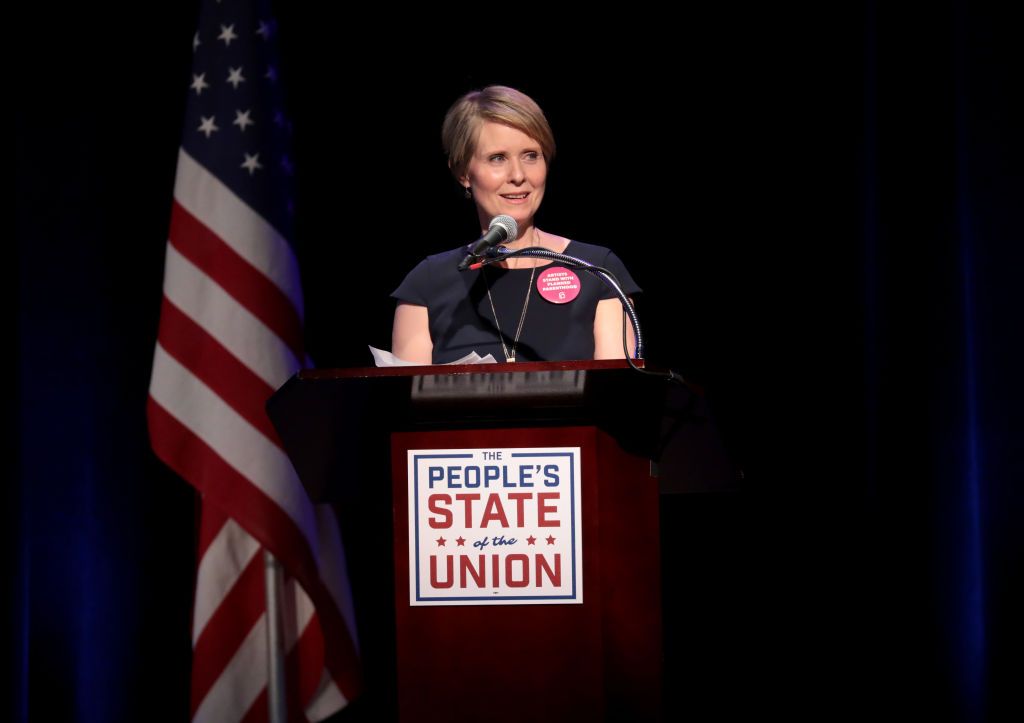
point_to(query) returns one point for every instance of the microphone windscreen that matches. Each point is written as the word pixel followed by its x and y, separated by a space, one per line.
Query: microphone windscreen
pixel 509 224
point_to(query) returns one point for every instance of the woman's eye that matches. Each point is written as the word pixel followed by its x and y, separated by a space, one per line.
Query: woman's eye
pixel 532 156
pixel 496 158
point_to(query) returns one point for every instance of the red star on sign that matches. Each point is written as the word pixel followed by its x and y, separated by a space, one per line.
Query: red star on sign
pixel 530 540
pixel 550 539
pixel 440 542
pixel 461 541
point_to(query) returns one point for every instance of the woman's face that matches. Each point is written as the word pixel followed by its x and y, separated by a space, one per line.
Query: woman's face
pixel 506 174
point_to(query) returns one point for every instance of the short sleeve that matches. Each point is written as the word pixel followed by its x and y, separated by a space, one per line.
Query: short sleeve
pixel 411 290
pixel 614 264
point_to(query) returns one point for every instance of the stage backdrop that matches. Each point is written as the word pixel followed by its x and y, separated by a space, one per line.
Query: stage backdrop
pixel 822 206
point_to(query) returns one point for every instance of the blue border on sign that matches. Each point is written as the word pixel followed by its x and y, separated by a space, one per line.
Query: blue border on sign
pixel 572 509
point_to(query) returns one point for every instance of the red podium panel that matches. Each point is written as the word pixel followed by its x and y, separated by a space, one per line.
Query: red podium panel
pixel 546 661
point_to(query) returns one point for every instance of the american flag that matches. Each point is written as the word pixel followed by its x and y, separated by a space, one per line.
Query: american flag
pixel 230 334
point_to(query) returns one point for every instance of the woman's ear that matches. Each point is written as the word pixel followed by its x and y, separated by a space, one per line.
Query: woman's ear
pixel 463 179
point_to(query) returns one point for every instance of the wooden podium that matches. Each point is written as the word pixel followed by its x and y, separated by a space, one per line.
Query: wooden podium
pixel 590 652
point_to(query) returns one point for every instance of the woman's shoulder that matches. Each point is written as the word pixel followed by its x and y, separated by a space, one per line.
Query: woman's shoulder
pixel 433 264
pixel 444 256
pixel 606 258
pixel 588 252
pixel 431 276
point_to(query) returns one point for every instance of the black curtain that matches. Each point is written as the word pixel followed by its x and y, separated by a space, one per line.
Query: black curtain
pixel 822 206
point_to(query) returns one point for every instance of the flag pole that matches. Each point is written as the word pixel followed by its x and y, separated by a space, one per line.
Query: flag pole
pixel 276 698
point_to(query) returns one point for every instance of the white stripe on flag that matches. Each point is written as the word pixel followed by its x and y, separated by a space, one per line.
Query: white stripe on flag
pixel 326 701
pixel 230 323
pixel 238 225
pixel 296 612
pixel 245 676
pixel 242 446
pixel 225 558
pixel 240 683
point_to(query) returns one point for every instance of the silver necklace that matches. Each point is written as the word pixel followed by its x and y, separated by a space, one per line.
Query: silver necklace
pixel 510 356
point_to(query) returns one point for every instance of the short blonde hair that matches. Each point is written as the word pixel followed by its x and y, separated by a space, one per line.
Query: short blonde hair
pixel 494 104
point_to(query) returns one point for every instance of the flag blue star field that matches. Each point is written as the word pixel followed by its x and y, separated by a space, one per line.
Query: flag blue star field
pixel 230 334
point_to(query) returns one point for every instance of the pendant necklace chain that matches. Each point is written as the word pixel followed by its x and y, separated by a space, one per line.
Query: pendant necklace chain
pixel 510 354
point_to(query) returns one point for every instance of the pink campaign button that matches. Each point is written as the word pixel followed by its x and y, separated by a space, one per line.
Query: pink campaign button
pixel 558 285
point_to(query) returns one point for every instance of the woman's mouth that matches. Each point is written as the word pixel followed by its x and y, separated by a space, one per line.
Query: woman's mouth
pixel 515 197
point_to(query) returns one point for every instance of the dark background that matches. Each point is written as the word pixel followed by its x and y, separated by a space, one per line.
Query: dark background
pixel 822 205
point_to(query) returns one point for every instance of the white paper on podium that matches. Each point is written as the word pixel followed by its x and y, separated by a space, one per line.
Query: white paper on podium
pixel 383 358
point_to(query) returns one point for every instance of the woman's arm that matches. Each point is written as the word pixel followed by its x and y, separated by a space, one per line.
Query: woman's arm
pixel 410 334
pixel 608 323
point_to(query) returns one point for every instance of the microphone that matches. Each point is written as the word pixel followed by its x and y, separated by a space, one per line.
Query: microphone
pixel 502 229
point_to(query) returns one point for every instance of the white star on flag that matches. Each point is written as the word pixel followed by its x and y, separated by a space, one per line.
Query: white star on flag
pixel 208 126
pixel 252 163
pixel 227 34
pixel 242 119
pixel 199 83
pixel 235 77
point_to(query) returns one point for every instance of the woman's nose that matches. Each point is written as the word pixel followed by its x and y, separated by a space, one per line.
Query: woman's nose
pixel 515 171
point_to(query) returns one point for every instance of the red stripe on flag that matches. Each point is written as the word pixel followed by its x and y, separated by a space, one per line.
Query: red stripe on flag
pixel 303 670
pixel 240 609
pixel 307 651
pixel 216 367
pixel 193 459
pixel 238 277
pixel 222 485
pixel 259 711
pixel 211 521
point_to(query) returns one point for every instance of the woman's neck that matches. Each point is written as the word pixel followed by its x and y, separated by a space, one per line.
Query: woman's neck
pixel 531 236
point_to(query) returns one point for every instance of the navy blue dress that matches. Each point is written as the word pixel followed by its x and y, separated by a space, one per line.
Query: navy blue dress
pixel 461 319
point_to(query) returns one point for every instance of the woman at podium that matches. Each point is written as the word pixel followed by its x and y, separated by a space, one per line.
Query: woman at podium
pixel 499 147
